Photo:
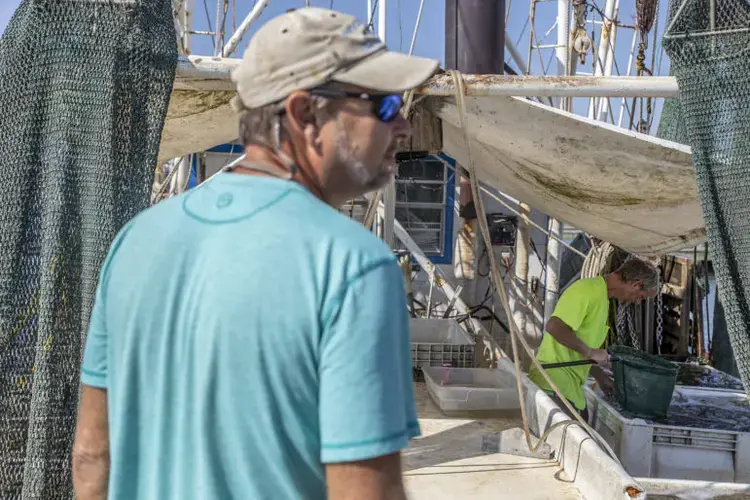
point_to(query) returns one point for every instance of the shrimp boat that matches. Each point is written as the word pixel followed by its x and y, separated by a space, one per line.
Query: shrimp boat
pixel 566 164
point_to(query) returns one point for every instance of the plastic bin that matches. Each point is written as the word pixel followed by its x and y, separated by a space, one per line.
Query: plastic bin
pixel 472 389
pixel 649 449
pixel 440 342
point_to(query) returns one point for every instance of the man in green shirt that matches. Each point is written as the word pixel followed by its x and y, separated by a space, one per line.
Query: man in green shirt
pixel 578 328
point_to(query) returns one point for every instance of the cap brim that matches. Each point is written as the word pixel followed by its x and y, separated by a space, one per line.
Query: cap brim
pixel 386 71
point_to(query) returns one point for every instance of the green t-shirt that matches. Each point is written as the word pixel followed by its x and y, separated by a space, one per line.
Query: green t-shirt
pixel 583 307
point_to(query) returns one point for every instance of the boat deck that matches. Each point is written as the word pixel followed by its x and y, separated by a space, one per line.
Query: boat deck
pixel 456 457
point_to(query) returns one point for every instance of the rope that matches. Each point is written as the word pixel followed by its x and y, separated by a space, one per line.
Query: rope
pixel 515 336
pixel 641 69
pixel 646 11
pixel 646 15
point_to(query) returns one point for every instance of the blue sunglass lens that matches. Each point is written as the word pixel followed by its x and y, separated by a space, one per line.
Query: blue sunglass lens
pixel 390 106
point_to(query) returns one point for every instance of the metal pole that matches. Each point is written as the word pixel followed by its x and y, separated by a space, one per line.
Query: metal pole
pixel 369 11
pixel 552 267
pixel 609 60
pixel 623 102
pixel 382 20
pixel 214 74
pixel 186 17
pixel 555 86
pixel 554 249
pixel 519 300
pixel 416 28
pixel 217 30
pixel 389 190
pixel 609 11
pixel 180 181
pixel 236 38
pixel 563 34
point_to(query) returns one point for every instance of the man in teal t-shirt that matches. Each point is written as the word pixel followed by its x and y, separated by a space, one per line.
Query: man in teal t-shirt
pixel 578 328
pixel 248 341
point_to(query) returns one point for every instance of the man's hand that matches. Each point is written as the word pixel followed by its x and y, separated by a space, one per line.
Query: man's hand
pixel 600 356
pixel 605 382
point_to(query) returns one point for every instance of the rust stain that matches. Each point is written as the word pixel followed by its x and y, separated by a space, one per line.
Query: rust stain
pixel 632 491
pixel 444 81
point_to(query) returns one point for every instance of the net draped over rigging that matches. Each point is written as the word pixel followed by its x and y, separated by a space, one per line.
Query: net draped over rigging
pixel 708 43
pixel 85 86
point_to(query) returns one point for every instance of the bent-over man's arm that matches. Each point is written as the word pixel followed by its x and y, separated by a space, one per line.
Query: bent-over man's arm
pixel 367 411
pixel 568 317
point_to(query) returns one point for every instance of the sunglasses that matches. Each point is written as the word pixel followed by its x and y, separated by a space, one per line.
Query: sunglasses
pixel 385 106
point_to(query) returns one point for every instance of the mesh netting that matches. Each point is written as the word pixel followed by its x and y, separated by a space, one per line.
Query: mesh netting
pixel 709 46
pixel 85 86
pixel 671 122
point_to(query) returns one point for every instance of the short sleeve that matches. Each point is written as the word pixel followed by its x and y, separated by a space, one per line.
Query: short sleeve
pixel 572 306
pixel 94 369
pixel 366 393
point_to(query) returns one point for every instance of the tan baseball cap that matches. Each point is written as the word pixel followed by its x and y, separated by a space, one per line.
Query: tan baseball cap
pixel 308 47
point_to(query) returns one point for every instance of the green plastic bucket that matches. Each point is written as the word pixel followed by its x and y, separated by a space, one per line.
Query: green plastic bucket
pixel 643 383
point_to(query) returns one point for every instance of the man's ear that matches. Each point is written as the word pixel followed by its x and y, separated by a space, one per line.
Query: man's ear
pixel 299 112
pixel 301 119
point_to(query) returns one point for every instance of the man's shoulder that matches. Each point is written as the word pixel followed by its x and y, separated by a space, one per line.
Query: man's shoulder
pixel 344 235
pixel 588 285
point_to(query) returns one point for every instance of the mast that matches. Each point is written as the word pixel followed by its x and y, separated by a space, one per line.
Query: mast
pixel 389 190
pixel 471 25
pixel 556 228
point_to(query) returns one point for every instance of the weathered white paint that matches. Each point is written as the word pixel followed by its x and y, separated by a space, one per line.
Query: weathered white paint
pixel 633 190
pixel 196 122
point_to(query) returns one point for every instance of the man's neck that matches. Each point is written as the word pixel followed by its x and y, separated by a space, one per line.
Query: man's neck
pixel 267 157
pixel 613 284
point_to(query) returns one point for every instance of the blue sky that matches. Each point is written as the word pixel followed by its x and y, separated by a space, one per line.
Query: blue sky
pixel 430 39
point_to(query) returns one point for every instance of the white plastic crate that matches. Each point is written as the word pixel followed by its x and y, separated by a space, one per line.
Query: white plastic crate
pixel 440 342
pixel 472 389
pixel 648 449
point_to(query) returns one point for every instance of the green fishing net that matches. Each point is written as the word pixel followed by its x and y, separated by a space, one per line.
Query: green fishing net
pixel 708 42
pixel 84 86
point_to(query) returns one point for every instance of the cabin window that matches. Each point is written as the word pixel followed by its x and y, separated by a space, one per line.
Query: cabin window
pixel 424 206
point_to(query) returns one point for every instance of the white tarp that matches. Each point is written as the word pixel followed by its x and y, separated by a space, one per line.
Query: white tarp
pixel 630 189
pixel 635 191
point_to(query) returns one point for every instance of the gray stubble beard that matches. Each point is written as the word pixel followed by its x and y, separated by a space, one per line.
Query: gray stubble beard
pixel 363 178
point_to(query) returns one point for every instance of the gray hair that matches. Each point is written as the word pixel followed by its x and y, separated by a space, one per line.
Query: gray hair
pixel 257 125
pixel 639 270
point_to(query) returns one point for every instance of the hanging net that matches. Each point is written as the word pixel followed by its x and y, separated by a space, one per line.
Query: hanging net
pixel 709 46
pixel 84 86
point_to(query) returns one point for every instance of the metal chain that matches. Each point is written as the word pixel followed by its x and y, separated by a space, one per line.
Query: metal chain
pixel 659 318
pixel 625 322
pixel 631 326
pixel 621 324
